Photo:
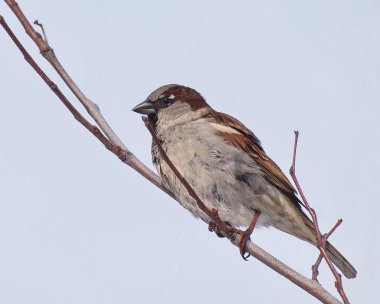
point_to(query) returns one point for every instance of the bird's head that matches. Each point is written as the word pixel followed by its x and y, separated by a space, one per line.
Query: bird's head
pixel 173 104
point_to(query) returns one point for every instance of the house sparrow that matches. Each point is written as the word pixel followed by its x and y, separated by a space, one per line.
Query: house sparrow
pixel 226 165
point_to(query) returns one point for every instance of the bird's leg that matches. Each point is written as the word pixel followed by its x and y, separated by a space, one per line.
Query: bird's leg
pixel 245 235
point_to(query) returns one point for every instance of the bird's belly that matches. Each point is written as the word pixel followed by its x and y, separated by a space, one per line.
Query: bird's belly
pixel 212 176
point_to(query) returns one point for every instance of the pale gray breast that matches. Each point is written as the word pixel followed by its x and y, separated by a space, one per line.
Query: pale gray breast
pixel 209 161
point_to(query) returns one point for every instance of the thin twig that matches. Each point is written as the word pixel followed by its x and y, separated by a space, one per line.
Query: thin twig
pixel 314 268
pixel 43 30
pixel 321 240
pixel 327 235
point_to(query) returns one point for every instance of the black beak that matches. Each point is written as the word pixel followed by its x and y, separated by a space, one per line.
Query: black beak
pixel 145 108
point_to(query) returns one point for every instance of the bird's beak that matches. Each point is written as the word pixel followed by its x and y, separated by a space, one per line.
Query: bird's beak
pixel 145 108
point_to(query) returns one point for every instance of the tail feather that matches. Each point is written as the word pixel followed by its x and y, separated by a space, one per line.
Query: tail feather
pixel 340 261
pixel 335 256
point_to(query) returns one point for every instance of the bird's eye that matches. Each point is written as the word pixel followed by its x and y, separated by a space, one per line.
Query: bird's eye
pixel 166 101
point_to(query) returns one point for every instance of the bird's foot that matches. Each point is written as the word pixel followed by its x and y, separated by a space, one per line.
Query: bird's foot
pixel 231 231
pixel 245 236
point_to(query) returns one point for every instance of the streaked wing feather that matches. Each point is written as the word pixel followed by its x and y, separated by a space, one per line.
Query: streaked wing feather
pixel 248 142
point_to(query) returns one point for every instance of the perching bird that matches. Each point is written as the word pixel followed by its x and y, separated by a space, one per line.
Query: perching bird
pixel 226 165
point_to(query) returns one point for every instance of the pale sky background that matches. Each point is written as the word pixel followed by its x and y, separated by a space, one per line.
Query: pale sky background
pixel 78 226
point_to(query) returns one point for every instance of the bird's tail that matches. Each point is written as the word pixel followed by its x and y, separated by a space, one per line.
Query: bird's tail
pixel 340 261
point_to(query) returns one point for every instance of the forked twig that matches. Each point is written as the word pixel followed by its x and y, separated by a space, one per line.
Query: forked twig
pixel 321 239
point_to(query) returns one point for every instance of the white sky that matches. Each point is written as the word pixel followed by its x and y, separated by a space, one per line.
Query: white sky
pixel 78 226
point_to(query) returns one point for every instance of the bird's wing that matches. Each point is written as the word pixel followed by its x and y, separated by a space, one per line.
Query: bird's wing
pixel 246 141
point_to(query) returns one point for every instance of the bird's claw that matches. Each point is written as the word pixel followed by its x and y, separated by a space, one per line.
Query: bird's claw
pixel 244 238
